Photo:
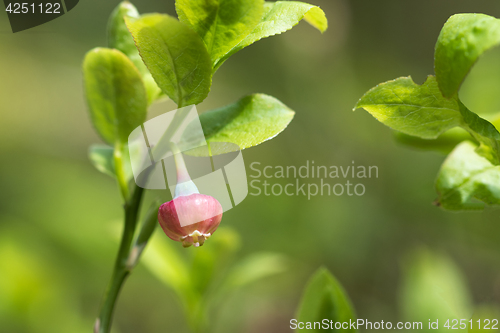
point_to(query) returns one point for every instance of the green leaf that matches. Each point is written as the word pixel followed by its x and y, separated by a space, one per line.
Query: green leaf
pixel 422 111
pixel 101 157
pixel 118 35
pixel 120 38
pixel 433 288
pixel 246 123
pixel 445 143
pixel 462 40
pixel 467 180
pixel 115 94
pixel 484 132
pixel 222 24
pixel 409 108
pixel 324 297
pixel 175 55
pixel 279 17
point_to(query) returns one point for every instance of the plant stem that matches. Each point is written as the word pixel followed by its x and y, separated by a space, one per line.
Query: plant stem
pixel 119 170
pixel 122 266
pixel 121 269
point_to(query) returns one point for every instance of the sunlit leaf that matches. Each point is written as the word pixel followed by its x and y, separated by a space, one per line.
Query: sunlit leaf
pixel 115 94
pixel 279 17
pixel 462 40
pixel 418 110
pixel 222 24
pixel 484 132
pixel 323 298
pixel 175 55
pixel 121 39
pixel 246 123
pixel 422 111
pixel 467 180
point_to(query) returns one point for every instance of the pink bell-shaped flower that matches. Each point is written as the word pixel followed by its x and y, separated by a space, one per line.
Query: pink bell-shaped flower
pixel 190 217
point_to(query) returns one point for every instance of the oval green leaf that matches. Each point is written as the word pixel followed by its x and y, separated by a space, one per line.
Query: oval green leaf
pixel 280 16
pixel 461 42
pixel 175 55
pixel 222 24
pixel 422 111
pixel 250 121
pixel 121 39
pixel 115 94
pixel 467 181
pixel 418 110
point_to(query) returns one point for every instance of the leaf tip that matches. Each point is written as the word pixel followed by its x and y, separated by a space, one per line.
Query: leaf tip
pixel 317 18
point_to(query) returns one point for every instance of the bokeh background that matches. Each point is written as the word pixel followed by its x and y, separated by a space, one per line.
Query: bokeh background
pixel 60 218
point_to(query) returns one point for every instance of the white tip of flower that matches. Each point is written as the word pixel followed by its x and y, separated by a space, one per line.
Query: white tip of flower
pixel 196 233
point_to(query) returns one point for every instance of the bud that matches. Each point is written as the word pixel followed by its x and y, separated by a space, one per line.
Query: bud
pixel 190 217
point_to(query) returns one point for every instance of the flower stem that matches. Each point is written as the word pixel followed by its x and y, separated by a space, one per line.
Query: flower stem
pixel 121 269
pixel 185 186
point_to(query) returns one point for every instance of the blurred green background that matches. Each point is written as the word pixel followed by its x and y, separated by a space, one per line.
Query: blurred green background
pixel 60 218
